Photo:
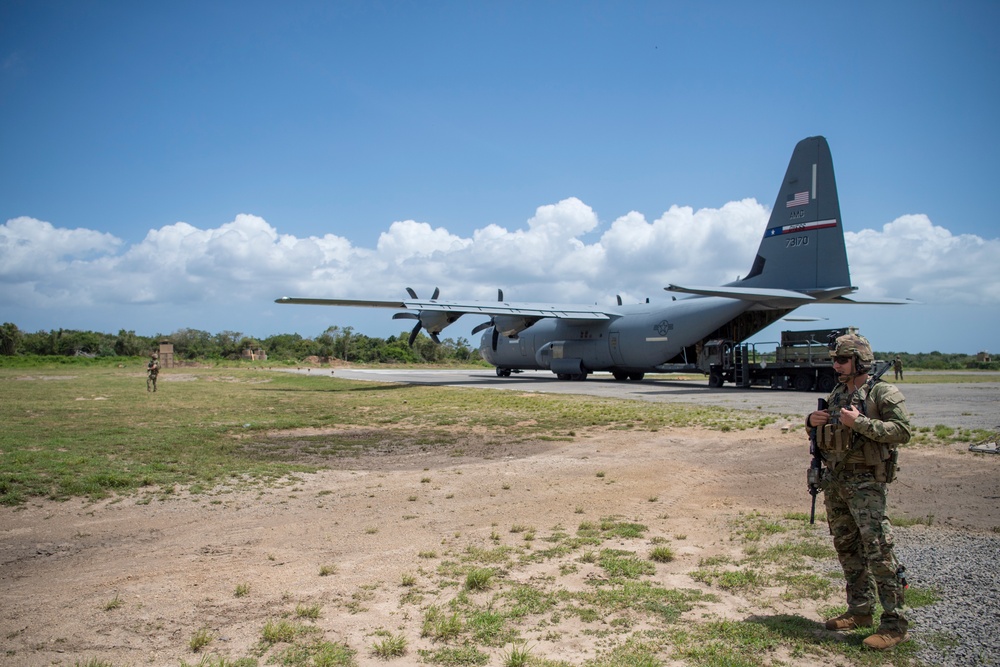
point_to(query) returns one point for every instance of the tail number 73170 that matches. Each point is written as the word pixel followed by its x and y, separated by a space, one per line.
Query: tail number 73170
pixel 796 241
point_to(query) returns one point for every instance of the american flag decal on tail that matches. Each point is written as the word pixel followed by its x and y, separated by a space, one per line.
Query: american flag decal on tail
pixel 798 199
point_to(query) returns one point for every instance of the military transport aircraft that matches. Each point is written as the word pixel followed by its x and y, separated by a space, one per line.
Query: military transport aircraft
pixel 801 260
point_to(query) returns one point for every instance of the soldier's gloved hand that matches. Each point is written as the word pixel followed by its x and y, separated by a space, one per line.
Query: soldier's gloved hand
pixel 848 415
pixel 819 417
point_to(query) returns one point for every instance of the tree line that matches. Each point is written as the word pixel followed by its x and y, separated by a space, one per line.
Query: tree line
pixel 192 344
pixel 334 343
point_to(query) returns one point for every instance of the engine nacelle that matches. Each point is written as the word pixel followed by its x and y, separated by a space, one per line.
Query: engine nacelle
pixel 511 325
pixel 435 321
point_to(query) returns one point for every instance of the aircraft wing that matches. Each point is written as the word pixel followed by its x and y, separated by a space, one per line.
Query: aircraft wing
pixel 491 308
pixel 306 301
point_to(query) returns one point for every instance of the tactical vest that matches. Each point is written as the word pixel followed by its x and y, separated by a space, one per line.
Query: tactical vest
pixel 845 450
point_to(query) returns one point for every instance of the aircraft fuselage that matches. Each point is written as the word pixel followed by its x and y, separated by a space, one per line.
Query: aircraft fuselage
pixel 638 339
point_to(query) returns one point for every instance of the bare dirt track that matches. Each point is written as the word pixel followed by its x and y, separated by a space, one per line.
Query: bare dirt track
pixel 132 583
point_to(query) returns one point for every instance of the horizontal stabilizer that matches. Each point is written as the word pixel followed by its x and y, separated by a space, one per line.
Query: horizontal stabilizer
pixel 746 293
pixel 848 298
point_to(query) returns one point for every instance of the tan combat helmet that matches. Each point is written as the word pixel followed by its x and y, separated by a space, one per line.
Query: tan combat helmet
pixel 857 346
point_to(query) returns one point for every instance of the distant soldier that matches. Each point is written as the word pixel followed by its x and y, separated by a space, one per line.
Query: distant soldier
pixel 152 370
pixel 858 435
pixel 897 367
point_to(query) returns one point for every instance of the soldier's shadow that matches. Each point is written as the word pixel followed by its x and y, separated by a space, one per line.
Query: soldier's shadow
pixel 800 628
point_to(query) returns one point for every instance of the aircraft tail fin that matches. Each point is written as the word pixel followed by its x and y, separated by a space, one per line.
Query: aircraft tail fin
pixel 803 246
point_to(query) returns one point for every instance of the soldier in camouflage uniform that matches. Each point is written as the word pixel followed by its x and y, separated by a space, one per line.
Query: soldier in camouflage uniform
pixel 152 371
pixel 857 436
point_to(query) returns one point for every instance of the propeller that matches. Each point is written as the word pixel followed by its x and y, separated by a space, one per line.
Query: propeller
pixel 506 325
pixel 433 321
pixel 490 323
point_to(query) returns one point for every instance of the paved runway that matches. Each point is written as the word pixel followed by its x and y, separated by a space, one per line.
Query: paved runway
pixel 959 405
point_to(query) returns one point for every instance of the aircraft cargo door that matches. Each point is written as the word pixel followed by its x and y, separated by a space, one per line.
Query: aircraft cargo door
pixel 615 344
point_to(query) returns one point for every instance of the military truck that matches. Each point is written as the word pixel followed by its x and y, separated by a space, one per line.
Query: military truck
pixel 801 361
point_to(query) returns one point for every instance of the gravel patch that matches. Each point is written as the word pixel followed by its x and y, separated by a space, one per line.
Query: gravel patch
pixel 961 629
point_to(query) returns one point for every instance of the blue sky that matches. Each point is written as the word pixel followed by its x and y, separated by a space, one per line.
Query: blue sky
pixel 180 165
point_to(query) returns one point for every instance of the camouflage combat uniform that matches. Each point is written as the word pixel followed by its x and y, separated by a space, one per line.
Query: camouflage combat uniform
pixel 152 371
pixel 860 461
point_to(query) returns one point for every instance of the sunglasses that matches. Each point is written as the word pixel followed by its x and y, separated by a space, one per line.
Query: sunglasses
pixel 841 360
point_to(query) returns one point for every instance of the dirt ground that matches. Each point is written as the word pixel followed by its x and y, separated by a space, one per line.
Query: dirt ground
pixel 132 583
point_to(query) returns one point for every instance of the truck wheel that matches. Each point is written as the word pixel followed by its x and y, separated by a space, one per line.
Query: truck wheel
pixel 803 382
pixel 826 383
pixel 715 380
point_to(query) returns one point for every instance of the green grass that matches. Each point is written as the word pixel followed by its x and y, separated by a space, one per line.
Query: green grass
pixel 309 654
pixel 77 430
pixel 94 431
pixel 661 554
pixel 200 640
pixel 517 656
pixel 968 377
pixel 624 564
pixel 941 434
pixel 912 521
pixel 311 612
pixel 276 632
pixel 441 626
pixel 392 646
pixel 479 579
pixel 211 660
pixel 459 656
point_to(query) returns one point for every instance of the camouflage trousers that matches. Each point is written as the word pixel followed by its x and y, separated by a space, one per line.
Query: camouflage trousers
pixel 862 536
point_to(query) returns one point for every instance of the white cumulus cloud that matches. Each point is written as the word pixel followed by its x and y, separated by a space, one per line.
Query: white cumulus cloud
pixel 912 257
pixel 245 263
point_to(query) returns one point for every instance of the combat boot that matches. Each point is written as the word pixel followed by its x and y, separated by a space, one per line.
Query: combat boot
pixel 849 621
pixel 884 639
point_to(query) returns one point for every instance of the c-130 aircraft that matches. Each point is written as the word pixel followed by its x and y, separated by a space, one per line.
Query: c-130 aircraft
pixel 801 260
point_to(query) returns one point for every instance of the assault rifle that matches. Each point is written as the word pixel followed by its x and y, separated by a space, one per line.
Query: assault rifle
pixel 886 365
pixel 816 466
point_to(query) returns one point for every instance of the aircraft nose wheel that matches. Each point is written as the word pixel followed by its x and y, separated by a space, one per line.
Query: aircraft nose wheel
pixel 503 372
